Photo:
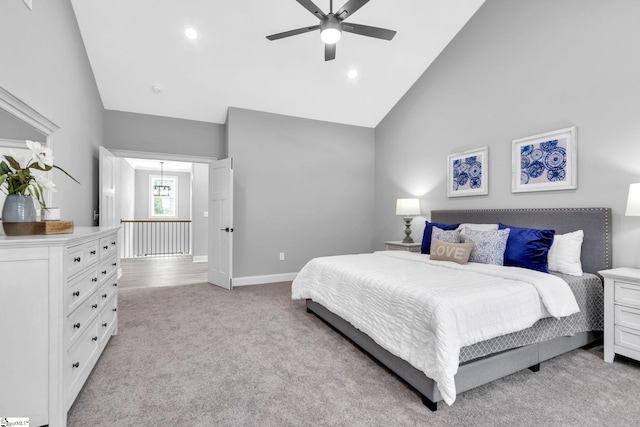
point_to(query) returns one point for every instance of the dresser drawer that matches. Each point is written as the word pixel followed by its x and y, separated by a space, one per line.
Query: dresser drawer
pixel 79 289
pixel 78 361
pixel 91 252
pixel 75 259
pixel 627 316
pixel 107 290
pixel 106 269
pixel 627 337
pixel 81 256
pixel 108 246
pixel 78 321
pixel 108 316
pixel 627 294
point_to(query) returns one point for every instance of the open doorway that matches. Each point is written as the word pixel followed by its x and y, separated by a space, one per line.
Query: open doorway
pixel 161 204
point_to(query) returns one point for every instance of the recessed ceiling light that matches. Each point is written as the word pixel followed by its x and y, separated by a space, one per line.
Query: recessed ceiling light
pixel 156 88
pixel 191 33
pixel 352 74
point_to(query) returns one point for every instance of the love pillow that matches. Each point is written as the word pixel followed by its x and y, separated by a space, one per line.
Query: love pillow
pixel 456 252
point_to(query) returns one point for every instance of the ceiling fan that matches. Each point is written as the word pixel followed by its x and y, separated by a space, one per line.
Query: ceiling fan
pixel 332 25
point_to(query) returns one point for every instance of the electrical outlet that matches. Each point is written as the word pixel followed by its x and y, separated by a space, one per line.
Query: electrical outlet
pixel 206 214
pixel 281 256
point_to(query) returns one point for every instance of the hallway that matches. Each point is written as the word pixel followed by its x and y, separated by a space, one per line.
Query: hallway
pixel 148 272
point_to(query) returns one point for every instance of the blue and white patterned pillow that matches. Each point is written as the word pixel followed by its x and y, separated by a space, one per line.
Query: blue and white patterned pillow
pixel 449 236
pixel 488 246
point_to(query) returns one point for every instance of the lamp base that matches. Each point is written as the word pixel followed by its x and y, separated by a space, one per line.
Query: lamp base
pixel 407 230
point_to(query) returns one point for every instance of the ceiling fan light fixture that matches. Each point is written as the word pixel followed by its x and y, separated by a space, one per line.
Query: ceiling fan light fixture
pixel 330 35
pixel 330 30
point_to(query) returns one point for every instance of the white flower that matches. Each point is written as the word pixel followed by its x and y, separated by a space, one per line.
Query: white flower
pixel 43 156
pixel 46 183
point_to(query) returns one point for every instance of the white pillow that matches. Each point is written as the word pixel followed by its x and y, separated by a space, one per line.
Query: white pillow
pixel 477 227
pixel 564 254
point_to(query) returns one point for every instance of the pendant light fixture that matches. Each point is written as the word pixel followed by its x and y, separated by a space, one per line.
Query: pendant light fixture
pixel 161 190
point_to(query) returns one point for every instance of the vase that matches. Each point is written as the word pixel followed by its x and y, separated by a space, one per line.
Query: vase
pixel 18 214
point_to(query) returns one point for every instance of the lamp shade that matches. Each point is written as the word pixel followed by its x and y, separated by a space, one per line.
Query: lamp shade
pixel 633 201
pixel 408 207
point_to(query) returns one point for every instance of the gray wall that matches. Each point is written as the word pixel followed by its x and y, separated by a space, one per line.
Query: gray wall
pixel 44 63
pixel 142 132
pixel 14 128
pixel 519 68
pixel 302 187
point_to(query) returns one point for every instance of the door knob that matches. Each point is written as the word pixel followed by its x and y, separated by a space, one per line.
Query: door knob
pixel 228 230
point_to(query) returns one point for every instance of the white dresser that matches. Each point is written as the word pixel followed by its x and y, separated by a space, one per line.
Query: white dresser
pixel 58 309
pixel 621 313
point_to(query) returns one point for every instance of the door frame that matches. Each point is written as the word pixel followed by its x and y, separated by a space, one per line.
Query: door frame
pixel 168 157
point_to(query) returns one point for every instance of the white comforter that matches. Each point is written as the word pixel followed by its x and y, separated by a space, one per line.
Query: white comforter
pixel 424 311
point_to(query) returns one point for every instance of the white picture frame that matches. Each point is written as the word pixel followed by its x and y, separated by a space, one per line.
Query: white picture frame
pixel 468 173
pixel 545 162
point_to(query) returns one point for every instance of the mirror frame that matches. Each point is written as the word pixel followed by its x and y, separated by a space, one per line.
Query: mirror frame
pixel 25 113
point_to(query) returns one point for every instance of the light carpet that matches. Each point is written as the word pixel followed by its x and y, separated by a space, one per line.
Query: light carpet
pixel 198 355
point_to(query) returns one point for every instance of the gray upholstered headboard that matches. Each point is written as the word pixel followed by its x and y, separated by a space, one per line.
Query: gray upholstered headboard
pixel 596 223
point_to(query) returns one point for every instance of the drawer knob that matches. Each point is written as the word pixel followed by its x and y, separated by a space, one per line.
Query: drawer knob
pixel 113 243
pixel 114 264
pixel 76 294
pixel 105 324
pixel 76 365
pixel 105 247
pixel 94 306
pixel 115 284
pixel 104 271
pixel 115 309
pixel 104 295
pixel 95 279
pixel 77 259
pixel 94 339
pixel 93 252
pixel 76 325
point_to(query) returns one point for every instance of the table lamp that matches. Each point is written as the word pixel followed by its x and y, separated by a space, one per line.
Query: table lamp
pixel 633 200
pixel 408 208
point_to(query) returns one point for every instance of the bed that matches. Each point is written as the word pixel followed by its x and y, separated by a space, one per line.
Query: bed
pixel 500 355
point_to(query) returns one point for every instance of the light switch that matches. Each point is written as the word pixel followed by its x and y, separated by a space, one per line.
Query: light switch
pixel 206 214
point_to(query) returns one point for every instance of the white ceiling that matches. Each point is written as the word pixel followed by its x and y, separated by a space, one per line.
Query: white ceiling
pixel 133 45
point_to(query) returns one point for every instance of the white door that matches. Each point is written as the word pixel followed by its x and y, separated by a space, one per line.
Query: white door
pixel 107 189
pixel 221 223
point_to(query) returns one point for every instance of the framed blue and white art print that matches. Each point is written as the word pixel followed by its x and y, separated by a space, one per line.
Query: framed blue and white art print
pixel 468 173
pixel 545 162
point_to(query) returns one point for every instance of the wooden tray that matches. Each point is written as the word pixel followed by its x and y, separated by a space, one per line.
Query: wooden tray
pixel 38 227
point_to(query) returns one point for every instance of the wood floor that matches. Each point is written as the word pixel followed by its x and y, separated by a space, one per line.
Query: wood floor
pixel 151 272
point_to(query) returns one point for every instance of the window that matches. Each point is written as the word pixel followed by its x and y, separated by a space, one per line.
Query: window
pixel 163 195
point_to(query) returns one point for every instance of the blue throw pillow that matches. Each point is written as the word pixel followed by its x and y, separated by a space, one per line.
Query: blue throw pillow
pixel 528 247
pixel 428 229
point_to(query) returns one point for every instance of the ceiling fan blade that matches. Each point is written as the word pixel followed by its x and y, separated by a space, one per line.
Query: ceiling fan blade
pixel 311 7
pixel 350 8
pixel 329 51
pixel 365 30
pixel 293 32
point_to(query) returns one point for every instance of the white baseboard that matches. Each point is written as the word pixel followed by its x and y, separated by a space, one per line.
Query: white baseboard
pixel 201 258
pixel 258 280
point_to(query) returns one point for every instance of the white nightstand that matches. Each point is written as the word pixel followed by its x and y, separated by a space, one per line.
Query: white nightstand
pixel 399 246
pixel 621 313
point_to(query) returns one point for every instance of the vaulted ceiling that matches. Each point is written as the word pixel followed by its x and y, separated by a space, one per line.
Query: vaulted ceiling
pixel 134 45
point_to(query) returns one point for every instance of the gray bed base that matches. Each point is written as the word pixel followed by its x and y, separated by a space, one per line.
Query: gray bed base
pixel 596 255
